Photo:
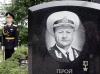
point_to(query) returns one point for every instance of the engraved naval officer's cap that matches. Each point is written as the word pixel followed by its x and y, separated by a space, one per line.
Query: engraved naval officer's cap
pixel 62 18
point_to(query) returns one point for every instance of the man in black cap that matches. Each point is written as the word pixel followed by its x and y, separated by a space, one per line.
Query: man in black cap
pixel 10 35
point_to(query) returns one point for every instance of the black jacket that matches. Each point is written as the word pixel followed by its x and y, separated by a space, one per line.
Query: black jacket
pixel 10 36
pixel 63 59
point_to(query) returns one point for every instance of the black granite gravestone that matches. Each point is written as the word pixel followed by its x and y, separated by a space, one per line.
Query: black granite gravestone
pixel 40 60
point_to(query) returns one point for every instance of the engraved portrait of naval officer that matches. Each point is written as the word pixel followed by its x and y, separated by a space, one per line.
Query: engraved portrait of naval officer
pixel 62 26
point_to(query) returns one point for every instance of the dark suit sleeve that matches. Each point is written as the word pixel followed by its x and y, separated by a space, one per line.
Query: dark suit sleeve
pixel 16 36
pixel 4 33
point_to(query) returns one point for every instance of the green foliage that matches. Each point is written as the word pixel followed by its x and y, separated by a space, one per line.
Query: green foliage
pixel 12 65
pixel 20 8
pixel 21 52
pixel 6 66
pixel 23 34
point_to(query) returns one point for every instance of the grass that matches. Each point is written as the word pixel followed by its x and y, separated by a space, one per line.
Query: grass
pixel 11 65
